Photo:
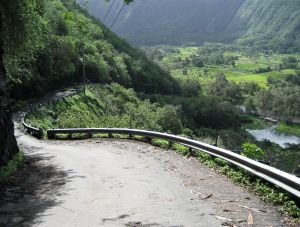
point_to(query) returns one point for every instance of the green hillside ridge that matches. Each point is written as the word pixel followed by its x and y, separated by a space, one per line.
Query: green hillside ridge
pixel 62 36
pixel 273 24
pixel 111 106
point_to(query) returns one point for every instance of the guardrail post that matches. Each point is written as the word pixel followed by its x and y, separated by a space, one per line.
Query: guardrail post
pixel 192 152
pixel 40 133
pixel 50 135
pixel 70 136
pixel 170 144
pixel 148 139
pixel 110 135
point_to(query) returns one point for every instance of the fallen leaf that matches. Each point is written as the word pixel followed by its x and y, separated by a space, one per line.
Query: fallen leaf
pixel 228 210
pixel 228 224
pixel 208 196
pixel 250 219
pixel 224 219
pixel 227 201
pixel 253 209
pixel 240 220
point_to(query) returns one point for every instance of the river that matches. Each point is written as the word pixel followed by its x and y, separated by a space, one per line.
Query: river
pixel 271 134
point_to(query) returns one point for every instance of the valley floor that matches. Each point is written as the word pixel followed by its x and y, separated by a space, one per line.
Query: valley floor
pixel 101 182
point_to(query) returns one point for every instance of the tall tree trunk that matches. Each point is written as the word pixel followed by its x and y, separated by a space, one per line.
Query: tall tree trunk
pixel 8 144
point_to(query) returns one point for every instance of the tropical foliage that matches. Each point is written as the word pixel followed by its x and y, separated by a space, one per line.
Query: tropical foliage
pixel 61 36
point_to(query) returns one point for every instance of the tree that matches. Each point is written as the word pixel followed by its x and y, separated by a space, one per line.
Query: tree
pixel 250 88
pixel 233 64
pixel 208 112
pixel 249 105
pixel 169 119
pixel 18 33
pixel 8 144
pixel 227 91
pixel 190 87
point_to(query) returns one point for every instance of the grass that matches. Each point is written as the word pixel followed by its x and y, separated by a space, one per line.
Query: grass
pixel 11 166
pixel 293 129
pixel 103 106
pixel 257 123
pixel 231 73
pixel 78 111
pixel 242 72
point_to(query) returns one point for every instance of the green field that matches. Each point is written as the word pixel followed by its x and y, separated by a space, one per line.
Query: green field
pixel 243 71
pixel 257 67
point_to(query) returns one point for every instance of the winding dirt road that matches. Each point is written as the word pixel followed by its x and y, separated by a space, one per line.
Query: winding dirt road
pixel 104 182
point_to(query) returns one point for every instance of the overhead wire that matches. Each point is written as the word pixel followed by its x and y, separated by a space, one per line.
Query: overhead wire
pixel 108 11
pixel 117 15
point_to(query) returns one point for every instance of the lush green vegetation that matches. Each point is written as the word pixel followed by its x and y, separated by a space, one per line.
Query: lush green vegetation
pixel 263 81
pixel 238 64
pixel 107 106
pixel 257 123
pixel 264 25
pixel 11 166
pixel 293 129
pixel 115 106
pixel 61 37
pixel 11 25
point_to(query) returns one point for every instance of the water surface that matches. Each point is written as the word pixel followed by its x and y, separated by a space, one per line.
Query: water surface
pixel 271 134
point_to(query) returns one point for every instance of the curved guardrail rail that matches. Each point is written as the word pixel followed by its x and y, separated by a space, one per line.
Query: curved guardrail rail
pixel 282 179
pixel 38 132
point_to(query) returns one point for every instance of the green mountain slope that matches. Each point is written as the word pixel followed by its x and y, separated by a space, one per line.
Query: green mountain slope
pixel 272 24
pixel 61 37
pixel 264 24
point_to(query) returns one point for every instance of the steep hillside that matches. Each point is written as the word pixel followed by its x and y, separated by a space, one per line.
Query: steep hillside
pixel 272 24
pixel 62 37
pixel 264 24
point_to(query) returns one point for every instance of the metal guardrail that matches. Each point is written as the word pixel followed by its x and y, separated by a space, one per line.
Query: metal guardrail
pixel 282 179
pixel 38 132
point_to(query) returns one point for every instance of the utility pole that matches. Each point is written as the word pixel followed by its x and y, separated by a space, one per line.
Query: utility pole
pixel 83 69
